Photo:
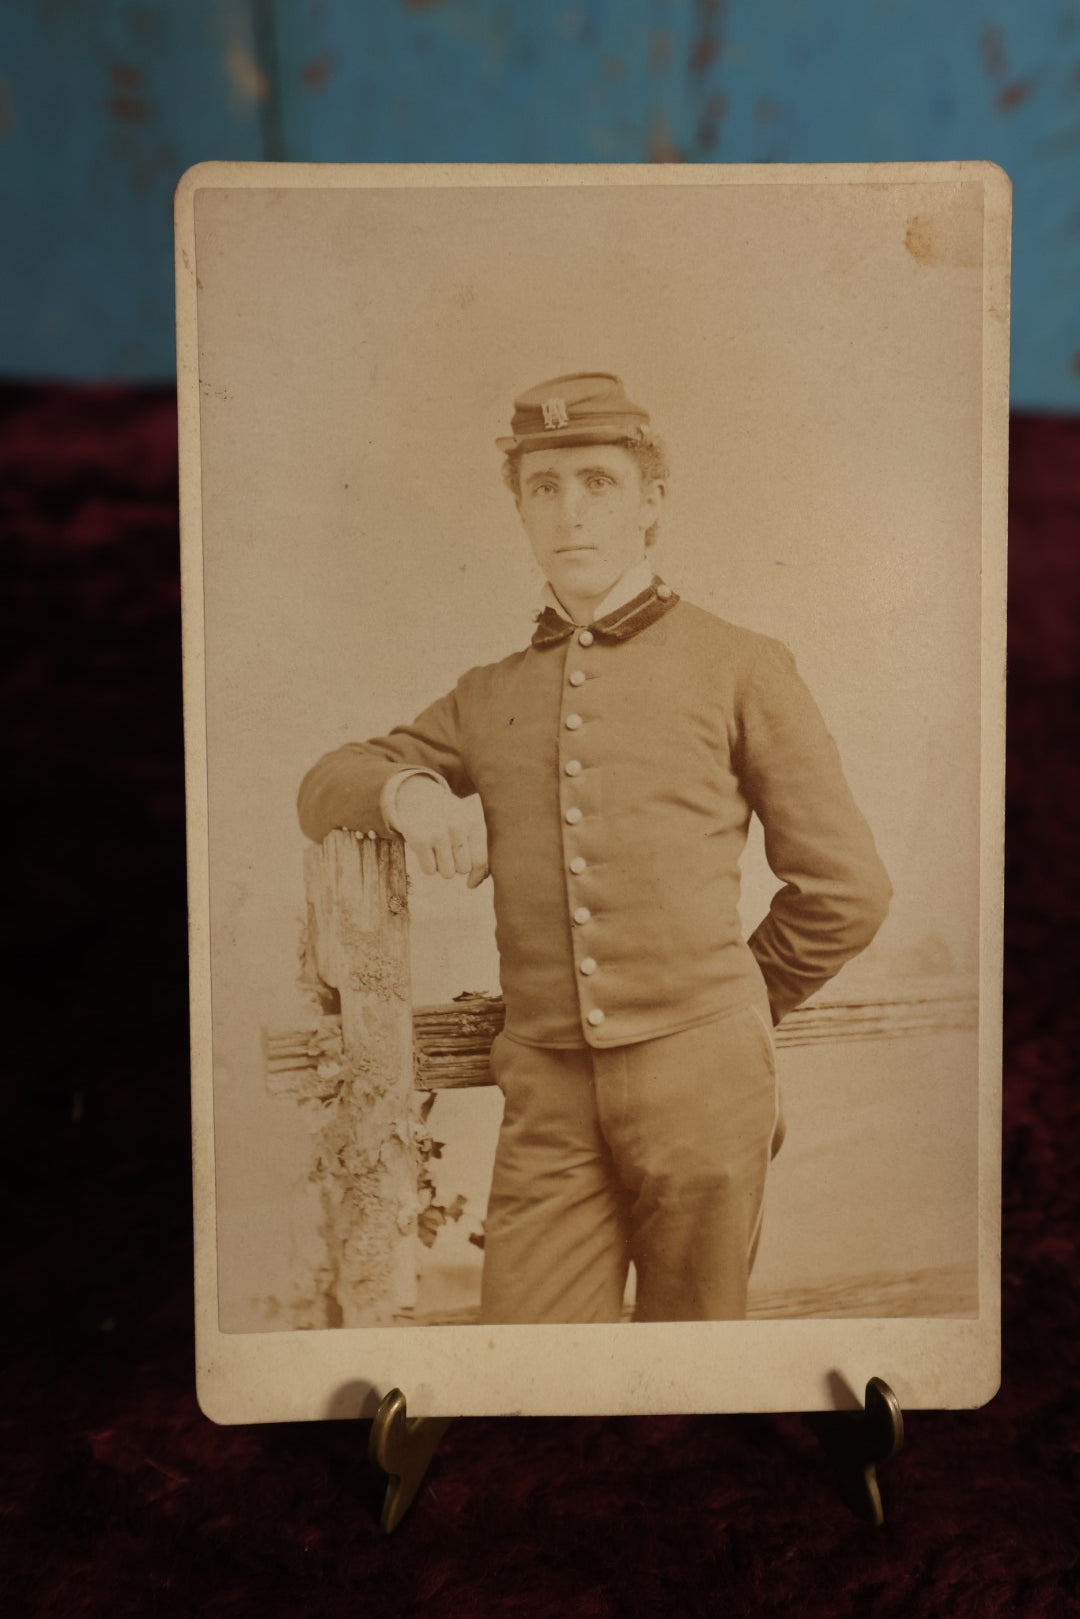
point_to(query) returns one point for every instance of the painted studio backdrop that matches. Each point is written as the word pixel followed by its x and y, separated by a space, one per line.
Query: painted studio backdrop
pixel 811 356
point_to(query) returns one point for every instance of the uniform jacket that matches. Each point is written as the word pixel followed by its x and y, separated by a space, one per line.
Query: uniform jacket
pixel 618 768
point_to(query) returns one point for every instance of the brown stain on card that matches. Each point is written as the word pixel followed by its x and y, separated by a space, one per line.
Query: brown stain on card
pixel 937 242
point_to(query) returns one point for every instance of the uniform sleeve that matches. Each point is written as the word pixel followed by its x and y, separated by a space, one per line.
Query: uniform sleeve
pixel 835 892
pixel 345 787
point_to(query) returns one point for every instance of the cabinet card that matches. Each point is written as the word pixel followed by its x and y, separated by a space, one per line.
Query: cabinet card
pixel 594 604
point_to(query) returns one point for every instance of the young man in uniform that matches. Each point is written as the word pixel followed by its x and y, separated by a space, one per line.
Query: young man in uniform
pixel 619 758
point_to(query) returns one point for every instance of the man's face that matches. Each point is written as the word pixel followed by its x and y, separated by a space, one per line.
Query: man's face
pixel 586 512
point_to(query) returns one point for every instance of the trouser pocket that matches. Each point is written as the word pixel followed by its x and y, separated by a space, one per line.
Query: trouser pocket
pixel 780 1128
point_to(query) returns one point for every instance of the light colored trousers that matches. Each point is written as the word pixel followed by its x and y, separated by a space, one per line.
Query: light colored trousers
pixel 655 1153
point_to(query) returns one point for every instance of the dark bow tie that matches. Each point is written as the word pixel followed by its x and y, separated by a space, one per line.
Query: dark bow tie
pixel 627 620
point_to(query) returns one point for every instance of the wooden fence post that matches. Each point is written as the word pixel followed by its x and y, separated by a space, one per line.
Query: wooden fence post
pixel 365 1072
pixel 367 1161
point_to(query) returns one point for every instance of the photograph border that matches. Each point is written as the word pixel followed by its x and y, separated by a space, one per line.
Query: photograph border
pixel 760 1365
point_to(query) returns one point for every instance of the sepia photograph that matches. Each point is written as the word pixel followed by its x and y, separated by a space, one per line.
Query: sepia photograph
pixel 593 587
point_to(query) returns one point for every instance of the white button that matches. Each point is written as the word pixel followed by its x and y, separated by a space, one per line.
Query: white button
pixel 582 915
pixel 595 1017
pixel 572 721
pixel 577 865
pixel 586 638
pixel 573 815
pixel 372 833
pixel 577 677
pixel 587 966
pixel 664 592
pixel 572 767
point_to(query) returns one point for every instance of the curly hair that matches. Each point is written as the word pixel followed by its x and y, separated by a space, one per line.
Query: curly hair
pixel 648 452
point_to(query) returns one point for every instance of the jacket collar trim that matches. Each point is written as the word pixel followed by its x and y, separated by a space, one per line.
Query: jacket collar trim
pixel 625 622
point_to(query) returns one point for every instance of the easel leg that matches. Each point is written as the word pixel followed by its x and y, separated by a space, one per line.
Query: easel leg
pixel 856 1441
pixel 403 1447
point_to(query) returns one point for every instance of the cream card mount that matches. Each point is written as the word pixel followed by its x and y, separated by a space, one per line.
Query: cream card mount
pixel 418 410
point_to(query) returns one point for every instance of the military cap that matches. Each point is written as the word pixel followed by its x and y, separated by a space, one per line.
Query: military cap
pixel 585 407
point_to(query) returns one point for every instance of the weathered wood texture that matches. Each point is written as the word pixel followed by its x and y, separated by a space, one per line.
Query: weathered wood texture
pixel 368 1156
pixel 367 1071
pixel 451 1042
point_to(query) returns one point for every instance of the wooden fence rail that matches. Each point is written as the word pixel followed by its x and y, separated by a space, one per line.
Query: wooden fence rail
pixel 369 1063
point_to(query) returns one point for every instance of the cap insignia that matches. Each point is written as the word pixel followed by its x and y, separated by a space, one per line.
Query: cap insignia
pixel 555 413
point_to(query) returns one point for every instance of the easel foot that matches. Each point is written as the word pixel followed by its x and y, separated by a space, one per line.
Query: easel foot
pixel 403 1447
pixel 857 1441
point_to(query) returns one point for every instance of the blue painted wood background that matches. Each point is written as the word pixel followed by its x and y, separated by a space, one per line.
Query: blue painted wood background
pixel 103 103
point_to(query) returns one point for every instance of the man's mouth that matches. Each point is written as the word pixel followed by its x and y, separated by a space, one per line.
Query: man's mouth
pixel 572 550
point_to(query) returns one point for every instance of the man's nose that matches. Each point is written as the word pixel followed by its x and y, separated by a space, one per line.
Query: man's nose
pixel 570 506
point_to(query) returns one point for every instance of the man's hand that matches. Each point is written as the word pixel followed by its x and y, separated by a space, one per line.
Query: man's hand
pixel 439 831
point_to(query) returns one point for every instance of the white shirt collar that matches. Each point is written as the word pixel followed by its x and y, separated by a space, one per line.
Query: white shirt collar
pixel 631 584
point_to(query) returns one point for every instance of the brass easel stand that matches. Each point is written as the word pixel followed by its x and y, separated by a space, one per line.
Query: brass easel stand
pixel 857 1441
pixel 854 1441
pixel 402 1446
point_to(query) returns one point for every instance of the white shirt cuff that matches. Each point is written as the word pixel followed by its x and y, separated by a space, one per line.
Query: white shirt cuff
pixel 388 796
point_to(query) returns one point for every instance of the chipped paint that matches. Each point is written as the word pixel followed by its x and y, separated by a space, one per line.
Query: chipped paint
pixel 659 52
pixel 708 130
pixel 126 76
pixel 992 46
pixel 127 104
pixel 662 148
pixel 314 74
pixel 145 25
pixel 247 81
pixel 708 47
pixel 1011 96
pixel 248 84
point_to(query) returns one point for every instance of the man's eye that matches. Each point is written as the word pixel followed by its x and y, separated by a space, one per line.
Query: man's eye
pixel 597 483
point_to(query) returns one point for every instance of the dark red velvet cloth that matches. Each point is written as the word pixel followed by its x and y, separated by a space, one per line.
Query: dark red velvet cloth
pixel 119 1497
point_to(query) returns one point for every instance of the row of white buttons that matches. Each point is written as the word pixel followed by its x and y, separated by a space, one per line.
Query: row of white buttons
pixel 572 767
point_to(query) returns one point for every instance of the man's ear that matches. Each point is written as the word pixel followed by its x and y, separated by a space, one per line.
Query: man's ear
pixel 654 500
